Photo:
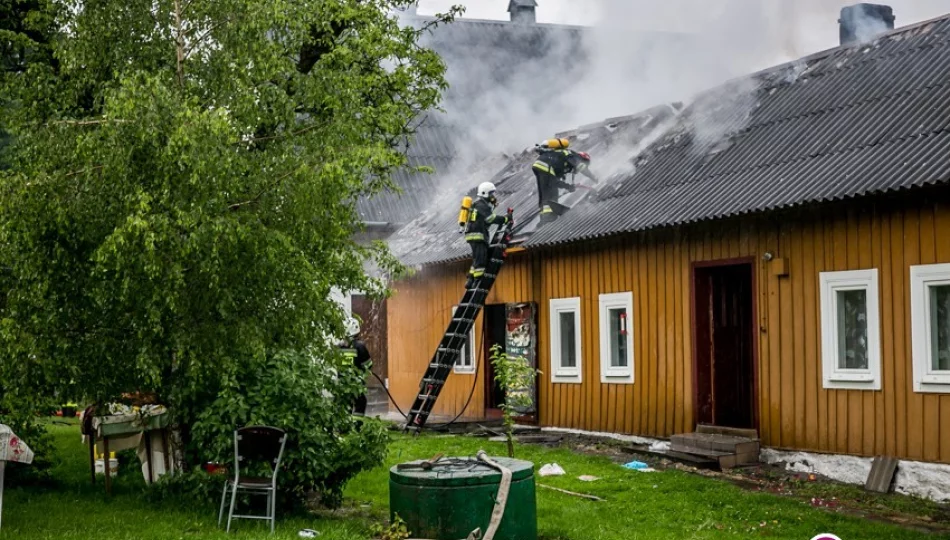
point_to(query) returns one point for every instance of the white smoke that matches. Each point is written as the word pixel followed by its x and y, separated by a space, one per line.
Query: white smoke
pixel 636 54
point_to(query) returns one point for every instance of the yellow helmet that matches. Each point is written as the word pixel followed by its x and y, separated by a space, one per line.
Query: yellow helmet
pixel 557 143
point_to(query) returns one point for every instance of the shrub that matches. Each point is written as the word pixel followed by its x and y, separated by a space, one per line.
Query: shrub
pixel 311 399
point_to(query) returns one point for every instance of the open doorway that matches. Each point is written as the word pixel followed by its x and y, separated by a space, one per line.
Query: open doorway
pixel 494 335
pixel 724 338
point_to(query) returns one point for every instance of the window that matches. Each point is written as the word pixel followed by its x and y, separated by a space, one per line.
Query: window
pixel 566 340
pixel 616 338
pixel 930 327
pixel 850 330
pixel 466 360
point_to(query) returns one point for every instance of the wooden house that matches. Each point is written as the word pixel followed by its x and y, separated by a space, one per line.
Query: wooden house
pixel 788 274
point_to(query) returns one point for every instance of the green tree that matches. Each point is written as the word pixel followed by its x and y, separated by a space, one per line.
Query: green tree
pixel 180 200
pixel 516 377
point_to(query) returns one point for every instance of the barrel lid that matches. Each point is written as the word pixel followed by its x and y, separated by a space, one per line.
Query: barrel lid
pixel 460 471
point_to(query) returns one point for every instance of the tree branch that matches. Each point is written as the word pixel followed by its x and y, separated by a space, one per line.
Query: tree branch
pixel 300 131
pixel 257 197
pixel 83 171
pixel 204 35
pixel 88 122
pixel 179 45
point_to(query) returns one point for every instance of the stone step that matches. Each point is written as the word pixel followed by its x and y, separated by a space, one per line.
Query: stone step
pixel 735 432
pixel 726 460
pixel 721 443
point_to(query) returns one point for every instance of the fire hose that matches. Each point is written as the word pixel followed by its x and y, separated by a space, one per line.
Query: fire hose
pixel 501 500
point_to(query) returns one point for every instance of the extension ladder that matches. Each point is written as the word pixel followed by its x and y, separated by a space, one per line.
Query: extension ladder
pixel 447 354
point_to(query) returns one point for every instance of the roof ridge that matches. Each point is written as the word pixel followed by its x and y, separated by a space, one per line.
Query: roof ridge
pixel 661 146
pixel 821 55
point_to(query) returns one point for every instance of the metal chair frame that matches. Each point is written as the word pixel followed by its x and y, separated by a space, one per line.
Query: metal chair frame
pixel 235 484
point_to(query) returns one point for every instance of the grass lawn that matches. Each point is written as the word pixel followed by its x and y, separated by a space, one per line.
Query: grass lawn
pixel 667 504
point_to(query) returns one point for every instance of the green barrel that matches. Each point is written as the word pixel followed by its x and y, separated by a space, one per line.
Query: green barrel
pixel 457 496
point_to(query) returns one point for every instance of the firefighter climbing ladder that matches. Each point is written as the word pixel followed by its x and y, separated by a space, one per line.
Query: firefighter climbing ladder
pixel 447 354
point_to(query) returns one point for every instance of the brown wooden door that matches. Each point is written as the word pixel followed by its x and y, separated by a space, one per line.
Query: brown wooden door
pixel 725 354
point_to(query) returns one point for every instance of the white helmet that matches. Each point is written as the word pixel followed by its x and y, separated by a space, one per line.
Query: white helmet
pixel 486 190
pixel 352 327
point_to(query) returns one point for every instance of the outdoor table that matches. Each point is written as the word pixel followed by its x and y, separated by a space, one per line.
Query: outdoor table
pixel 11 449
pixel 127 430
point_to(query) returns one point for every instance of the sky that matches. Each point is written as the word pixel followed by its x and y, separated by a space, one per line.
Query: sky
pixel 814 25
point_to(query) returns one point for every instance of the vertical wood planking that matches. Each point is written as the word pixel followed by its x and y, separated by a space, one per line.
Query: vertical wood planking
pixel 888 352
pixel 669 332
pixel 930 402
pixel 794 408
pixel 796 261
pixel 788 408
pixel 643 333
pixel 942 253
pixel 812 247
pixel 912 250
pixel 900 372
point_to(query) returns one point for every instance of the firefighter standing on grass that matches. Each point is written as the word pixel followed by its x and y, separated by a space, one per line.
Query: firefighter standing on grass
pixel 553 164
pixel 356 352
pixel 481 216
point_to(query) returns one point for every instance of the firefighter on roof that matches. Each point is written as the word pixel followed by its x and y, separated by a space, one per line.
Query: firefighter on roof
pixel 476 222
pixel 553 164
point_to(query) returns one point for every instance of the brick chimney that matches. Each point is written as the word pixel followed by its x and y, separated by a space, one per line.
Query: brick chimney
pixel 863 22
pixel 523 11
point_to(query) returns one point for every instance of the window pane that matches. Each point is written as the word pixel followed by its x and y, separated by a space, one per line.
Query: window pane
pixel 568 344
pixel 465 360
pixel 852 314
pixel 618 337
pixel 940 327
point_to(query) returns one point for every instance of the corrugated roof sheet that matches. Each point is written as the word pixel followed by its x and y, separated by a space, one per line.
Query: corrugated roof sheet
pixel 435 237
pixel 844 123
pixel 479 55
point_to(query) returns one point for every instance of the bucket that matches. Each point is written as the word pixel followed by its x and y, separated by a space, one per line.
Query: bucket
pixel 113 467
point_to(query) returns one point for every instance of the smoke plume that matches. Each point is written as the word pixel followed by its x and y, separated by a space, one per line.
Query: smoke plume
pixel 636 54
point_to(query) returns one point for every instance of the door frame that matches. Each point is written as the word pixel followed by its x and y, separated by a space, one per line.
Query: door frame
pixel 695 266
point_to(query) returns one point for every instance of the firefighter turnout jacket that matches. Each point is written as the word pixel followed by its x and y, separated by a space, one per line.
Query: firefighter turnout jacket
pixel 558 163
pixel 480 219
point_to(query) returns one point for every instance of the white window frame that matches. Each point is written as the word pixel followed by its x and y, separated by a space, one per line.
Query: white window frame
pixel 834 377
pixel 561 374
pixel 608 373
pixel 471 366
pixel 922 277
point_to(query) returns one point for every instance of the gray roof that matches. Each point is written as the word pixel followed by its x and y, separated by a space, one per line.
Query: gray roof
pixel 479 55
pixel 848 122
pixel 434 237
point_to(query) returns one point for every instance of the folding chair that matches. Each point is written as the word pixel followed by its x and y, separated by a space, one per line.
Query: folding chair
pixel 254 444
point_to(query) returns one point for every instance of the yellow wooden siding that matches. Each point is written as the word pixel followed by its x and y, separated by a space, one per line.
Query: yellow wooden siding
pixel 794 411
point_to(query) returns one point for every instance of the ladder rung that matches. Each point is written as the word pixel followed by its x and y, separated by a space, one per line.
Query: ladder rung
pixel 460 319
pixel 440 365
pixel 447 349
pixel 430 380
pixel 454 334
